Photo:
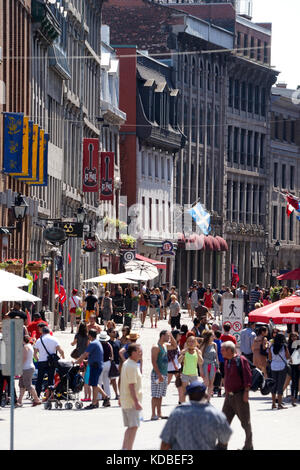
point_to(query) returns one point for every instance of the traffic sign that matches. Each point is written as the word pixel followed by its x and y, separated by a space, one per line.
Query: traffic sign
pixel 232 314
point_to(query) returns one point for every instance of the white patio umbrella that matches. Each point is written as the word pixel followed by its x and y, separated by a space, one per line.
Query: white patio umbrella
pixel 105 279
pixel 120 278
pixel 18 281
pixel 11 293
pixel 141 271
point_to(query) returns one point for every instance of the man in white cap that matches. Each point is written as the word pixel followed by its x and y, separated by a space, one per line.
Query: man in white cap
pixel 196 425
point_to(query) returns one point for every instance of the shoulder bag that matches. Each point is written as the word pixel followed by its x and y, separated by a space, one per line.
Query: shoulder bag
pixel 288 368
pixel 52 359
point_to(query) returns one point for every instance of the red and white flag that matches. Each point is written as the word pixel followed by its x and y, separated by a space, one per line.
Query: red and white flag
pixel 292 204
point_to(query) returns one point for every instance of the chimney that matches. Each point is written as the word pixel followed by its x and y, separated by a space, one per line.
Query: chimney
pixel 281 85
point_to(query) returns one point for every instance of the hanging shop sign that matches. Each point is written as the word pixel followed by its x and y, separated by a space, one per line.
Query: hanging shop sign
pixel 72 229
pixel 90 174
pixel 107 176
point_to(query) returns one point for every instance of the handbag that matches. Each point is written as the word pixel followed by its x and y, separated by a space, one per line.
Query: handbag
pixel 113 371
pixel 288 368
pixel 52 359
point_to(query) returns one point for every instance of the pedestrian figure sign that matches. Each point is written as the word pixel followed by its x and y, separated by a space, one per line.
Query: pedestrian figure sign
pixel 233 313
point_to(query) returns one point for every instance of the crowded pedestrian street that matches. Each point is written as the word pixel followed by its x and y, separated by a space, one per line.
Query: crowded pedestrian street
pixel 103 429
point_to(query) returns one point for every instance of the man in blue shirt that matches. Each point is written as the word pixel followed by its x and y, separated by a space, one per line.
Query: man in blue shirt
pixel 247 338
pixel 196 425
pixel 94 355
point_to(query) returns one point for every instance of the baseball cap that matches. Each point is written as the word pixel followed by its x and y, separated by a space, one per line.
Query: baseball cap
pixel 197 385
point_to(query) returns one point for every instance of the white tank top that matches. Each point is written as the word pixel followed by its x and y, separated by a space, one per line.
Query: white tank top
pixel 28 363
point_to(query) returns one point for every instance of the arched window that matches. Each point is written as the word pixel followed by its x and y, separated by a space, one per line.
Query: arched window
pixel 201 73
pixel 194 72
pixel 186 70
pixel 208 76
pixel 216 79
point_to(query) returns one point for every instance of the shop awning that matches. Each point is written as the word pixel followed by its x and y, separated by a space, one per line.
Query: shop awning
pixel 156 263
pixel 201 242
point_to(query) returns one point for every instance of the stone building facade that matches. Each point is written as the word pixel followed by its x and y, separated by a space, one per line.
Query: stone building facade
pixel 284 177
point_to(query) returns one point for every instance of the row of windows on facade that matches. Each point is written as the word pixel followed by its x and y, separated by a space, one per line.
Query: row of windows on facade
pixel 207 74
pixel 160 107
pixel 284 129
pixel 247 97
pixel 283 228
pixel 159 215
pixel 246 147
pixel 159 167
pixel 245 202
pixel 282 179
pixel 196 128
pixel 254 48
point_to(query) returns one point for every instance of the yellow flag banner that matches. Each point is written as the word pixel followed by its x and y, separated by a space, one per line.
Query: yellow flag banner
pixel 35 155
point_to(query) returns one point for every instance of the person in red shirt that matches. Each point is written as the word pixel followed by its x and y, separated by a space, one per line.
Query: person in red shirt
pixel 237 383
pixel 33 328
pixel 226 336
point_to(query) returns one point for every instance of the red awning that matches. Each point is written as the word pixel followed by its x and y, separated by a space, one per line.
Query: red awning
pixel 292 275
pixel 223 243
pixel 156 263
pixel 208 243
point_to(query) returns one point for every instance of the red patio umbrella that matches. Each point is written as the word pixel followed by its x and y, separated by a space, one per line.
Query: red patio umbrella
pixel 291 275
pixel 273 312
pixel 292 305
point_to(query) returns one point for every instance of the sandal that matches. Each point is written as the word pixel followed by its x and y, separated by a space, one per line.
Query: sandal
pixel 36 403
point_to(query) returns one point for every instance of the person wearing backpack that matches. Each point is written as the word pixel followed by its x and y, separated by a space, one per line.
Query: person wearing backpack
pixel 237 386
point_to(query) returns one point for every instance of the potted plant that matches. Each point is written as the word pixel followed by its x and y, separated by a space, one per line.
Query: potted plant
pixel 14 265
pixel 127 241
pixel 35 266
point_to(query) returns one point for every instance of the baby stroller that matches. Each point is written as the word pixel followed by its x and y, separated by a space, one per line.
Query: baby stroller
pixel 68 385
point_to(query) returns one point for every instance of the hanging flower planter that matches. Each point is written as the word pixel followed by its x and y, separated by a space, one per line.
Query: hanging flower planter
pixel 13 265
pixel 35 267
pixel 126 241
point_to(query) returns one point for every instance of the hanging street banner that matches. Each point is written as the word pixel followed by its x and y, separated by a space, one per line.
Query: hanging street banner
pixel 43 162
pixel 233 315
pixel 107 176
pixel 90 173
pixel 13 143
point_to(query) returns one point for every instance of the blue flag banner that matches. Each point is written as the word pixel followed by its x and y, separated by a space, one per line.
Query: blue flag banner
pixel 201 217
pixel 13 143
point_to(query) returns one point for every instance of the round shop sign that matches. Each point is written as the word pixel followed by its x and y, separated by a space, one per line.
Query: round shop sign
pixel 129 256
pixel 167 248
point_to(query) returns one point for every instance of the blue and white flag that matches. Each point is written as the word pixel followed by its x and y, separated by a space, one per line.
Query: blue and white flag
pixel 201 217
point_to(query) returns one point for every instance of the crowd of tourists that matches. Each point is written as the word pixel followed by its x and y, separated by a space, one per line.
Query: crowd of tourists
pixel 196 350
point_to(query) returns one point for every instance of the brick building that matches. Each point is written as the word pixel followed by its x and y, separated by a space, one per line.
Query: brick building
pixel 15 96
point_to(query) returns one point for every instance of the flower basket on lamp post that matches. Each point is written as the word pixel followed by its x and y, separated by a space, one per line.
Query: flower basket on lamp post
pixel 14 266
pixel 35 267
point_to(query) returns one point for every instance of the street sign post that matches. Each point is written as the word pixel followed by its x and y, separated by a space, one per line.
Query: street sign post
pixel 12 331
pixel 233 315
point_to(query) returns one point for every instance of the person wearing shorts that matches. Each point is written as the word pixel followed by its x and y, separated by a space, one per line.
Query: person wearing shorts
pixel 94 354
pixel 131 394
pixel 159 374
pixel 143 304
pixel 25 381
pixel 154 302
pixel 91 305
pixel 191 358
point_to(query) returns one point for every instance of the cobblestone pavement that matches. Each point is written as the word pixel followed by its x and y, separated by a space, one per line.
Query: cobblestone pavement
pixel 37 428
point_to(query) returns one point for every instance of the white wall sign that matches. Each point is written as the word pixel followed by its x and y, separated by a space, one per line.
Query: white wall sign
pixel 233 315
